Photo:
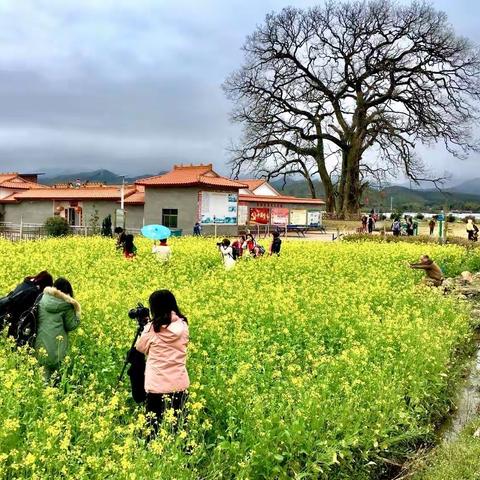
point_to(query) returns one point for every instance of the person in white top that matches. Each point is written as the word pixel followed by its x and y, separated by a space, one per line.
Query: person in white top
pixel 162 252
pixel 227 253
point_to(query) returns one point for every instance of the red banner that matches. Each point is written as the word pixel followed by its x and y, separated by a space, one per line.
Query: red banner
pixel 259 215
pixel 279 216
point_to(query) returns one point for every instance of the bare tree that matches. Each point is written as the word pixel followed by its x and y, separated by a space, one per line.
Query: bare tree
pixel 366 80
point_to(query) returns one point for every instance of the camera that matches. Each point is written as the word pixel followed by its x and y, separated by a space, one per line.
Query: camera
pixel 219 244
pixel 141 314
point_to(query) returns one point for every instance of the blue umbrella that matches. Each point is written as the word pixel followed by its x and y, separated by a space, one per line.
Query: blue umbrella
pixel 156 232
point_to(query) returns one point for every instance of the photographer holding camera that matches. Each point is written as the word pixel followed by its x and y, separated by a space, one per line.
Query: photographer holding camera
pixel 227 253
pixel 164 340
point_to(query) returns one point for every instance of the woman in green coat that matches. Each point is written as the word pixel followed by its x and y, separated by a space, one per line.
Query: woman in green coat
pixel 58 314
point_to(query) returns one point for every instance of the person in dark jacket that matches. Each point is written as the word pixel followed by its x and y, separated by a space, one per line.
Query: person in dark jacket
pixel 410 226
pixel 129 248
pixel 58 314
pixel 370 223
pixel 21 299
pixel 121 235
pixel 276 244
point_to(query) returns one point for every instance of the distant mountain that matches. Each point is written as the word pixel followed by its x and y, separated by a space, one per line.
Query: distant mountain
pixel 399 197
pixel 469 186
pixel 98 176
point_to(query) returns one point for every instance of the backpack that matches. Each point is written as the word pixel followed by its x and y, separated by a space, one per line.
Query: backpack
pixel 261 250
pixel 396 226
pixel 5 311
pixel 27 325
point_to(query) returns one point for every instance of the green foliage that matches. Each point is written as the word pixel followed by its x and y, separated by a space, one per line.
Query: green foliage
pixel 57 226
pixel 419 216
pixel 93 222
pixel 451 218
pixel 107 226
pixel 458 460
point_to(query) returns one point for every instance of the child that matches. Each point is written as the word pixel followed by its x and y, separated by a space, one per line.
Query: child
pixel 162 252
pixel 276 244
pixel 129 248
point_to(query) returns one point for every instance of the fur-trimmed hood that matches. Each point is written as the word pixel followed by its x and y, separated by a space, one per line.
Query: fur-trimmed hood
pixel 58 300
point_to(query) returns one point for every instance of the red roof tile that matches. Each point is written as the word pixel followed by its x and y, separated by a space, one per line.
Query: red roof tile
pixel 137 198
pixel 253 183
pixel 13 180
pixel 9 199
pixel 191 175
pixel 280 199
pixel 97 193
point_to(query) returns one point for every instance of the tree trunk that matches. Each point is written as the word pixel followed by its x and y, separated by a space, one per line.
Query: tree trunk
pixel 324 175
pixel 350 186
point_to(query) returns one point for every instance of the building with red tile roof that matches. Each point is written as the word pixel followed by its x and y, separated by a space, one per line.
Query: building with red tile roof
pixel 191 176
pixel 178 199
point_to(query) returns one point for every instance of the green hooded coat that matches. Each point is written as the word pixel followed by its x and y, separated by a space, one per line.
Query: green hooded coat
pixel 58 314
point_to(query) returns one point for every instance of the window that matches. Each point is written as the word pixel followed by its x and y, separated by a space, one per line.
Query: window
pixel 71 216
pixel 170 217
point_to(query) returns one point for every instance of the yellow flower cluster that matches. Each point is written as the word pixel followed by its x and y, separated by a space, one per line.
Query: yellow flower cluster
pixel 310 365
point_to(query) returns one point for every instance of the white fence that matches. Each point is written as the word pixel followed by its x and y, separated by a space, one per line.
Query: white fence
pixel 33 231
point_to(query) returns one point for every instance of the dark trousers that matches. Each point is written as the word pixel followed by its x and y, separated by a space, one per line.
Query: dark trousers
pixel 157 403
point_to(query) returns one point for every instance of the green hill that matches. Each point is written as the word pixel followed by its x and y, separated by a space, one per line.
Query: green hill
pixel 400 197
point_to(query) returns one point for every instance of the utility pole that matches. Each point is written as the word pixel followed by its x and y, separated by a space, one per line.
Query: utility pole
pixel 122 194
pixel 391 204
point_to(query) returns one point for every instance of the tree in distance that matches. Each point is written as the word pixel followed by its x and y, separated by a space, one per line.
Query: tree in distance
pixel 345 91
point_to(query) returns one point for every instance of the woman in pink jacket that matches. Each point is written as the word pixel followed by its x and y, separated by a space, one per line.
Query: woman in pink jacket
pixel 164 340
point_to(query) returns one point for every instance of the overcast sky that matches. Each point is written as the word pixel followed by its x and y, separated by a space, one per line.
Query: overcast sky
pixel 134 86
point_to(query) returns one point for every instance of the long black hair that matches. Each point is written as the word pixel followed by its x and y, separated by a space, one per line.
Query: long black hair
pixel 162 304
pixel 128 244
pixel 42 279
pixel 63 285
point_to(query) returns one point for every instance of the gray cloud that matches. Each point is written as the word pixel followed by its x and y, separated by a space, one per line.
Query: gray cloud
pixel 132 85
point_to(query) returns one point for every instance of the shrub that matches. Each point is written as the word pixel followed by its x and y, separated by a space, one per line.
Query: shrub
pixel 419 216
pixel 107 226
pixel 57 226
pixel 469 217
pixel 451 218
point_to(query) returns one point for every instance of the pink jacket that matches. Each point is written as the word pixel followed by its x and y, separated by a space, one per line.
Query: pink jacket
pixel 166 351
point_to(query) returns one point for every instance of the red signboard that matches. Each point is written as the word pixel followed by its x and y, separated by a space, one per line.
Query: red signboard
pixel 279 216
pixel 259 215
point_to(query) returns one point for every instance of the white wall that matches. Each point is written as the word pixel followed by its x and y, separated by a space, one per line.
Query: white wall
pixel 265 189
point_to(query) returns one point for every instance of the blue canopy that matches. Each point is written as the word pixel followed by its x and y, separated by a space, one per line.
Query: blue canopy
pixel 156 232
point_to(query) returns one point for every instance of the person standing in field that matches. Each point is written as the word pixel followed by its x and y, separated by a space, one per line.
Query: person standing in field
pixel 129 248
pixel 364 223
pixel 121 235
pixel 164 340
pixel 58 314
pixel 227 253
pixel 276 244
pixel 431 225
pixel 197 229
pixel 370 223
pixel 237 247
pixel 21 299
pixel 409 226
pixel 433 273
pixel 162 252
pixel 472 230
pixel 396 227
